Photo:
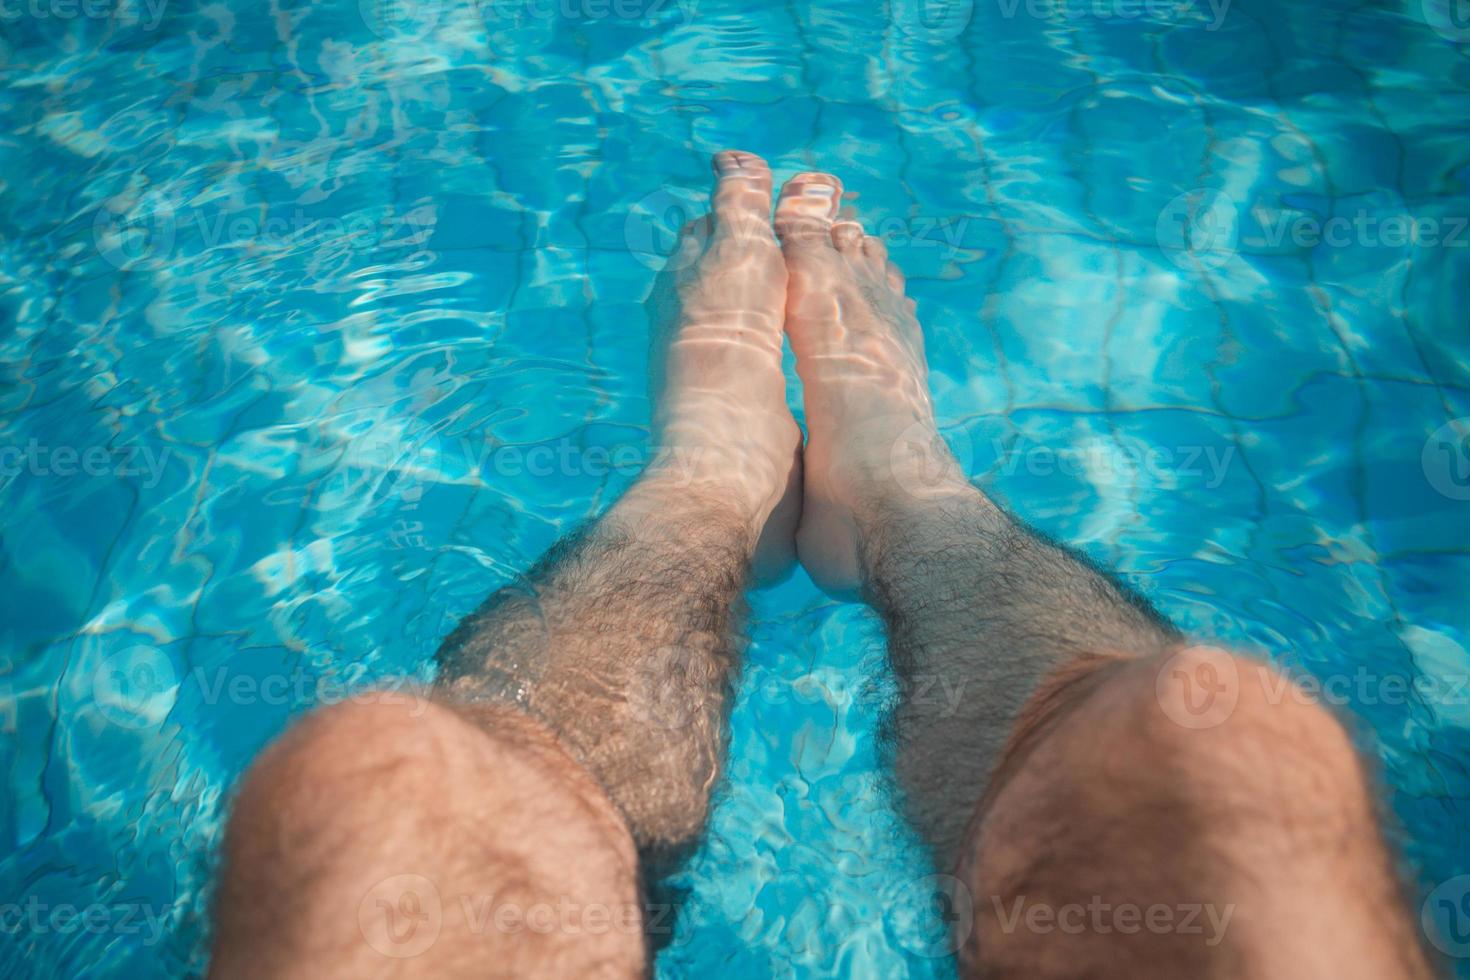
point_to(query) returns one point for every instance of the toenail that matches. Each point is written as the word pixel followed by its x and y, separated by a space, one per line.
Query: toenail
pixel 740 163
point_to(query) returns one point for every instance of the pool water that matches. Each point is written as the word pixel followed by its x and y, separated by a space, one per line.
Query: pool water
pixel 318 322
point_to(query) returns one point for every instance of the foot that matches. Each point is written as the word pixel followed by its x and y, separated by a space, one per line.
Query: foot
pixel 872 439
pixel 721 420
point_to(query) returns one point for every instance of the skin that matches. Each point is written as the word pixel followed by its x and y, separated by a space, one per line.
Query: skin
pixel 578 725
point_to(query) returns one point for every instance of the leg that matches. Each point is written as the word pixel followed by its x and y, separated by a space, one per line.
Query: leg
pixel 1099 793
pixel 978 608
pixel 579 718
pixel 622 639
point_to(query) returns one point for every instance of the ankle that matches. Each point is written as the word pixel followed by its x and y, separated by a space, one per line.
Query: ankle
pixel 668 499
pixel 887 505
pixel 895 529
pixel 888 458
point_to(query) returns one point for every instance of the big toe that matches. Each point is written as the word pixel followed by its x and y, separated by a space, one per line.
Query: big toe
pixel 742 195
pixel 809 203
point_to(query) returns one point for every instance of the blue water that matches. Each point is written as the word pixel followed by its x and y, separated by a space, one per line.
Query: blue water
pixel 281 283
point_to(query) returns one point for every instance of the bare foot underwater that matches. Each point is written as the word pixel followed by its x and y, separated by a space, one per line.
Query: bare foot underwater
pixel 566 756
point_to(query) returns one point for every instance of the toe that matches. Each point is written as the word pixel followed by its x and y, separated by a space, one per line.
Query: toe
pixel 896 280
pixel 742 194
pixel 877 254
pixel 847 237
pixel 809 202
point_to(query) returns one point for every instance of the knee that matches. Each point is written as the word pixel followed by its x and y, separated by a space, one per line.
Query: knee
pixel 1204 724
pixel 1200 774
pixel 481 803
pixel 361 748
pixel 1199 722
pixel 388 763
pixel 382 721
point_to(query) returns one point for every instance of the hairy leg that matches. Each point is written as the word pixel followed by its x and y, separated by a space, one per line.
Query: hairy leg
pixel 622 640
pixel 978 611
pixel 997 635
pixel 978 608
pixel 578 717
